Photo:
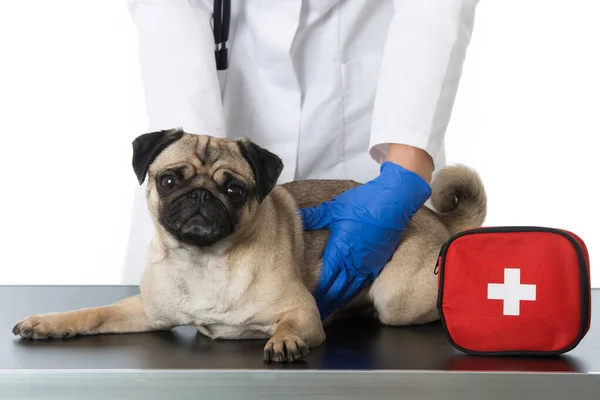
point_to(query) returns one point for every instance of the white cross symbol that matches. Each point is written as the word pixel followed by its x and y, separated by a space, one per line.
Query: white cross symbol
pixel 512 292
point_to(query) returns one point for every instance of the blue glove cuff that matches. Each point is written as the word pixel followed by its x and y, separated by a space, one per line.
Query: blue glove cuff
pixel 395 176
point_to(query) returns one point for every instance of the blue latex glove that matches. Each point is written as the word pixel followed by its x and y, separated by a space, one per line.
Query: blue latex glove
pixel 365 224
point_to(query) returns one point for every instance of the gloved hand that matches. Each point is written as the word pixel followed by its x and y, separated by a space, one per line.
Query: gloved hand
pixel 365 224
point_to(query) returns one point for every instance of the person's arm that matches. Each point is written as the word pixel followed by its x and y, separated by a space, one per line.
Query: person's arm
pixel 181 89
pixel 177 61
pixel 421 67
pixel 412 158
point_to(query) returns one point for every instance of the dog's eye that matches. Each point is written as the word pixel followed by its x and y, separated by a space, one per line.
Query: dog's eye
pixel 235 191
pixel 169 181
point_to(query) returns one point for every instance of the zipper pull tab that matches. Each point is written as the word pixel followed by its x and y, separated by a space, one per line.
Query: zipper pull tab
pixel 437 266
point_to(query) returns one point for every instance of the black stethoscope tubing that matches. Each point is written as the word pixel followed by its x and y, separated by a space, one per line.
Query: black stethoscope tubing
pixel 221 20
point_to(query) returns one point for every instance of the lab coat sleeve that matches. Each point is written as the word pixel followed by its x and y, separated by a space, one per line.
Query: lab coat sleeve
pixel 177 62
pixel 420 72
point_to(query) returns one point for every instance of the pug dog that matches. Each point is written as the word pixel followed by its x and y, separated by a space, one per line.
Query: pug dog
pixel 230 256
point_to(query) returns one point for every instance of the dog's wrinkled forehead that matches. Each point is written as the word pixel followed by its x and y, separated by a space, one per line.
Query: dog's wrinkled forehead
pixel 157 151
pixel 205 154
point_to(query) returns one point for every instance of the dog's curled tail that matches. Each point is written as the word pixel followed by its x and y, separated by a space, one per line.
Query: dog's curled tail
pixel 459 197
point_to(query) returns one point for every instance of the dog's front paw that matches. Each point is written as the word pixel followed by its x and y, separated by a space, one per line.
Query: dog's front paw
pixel 44 327
pixel 285 349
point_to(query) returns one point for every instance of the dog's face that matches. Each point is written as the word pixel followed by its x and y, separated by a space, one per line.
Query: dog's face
pixel 202 189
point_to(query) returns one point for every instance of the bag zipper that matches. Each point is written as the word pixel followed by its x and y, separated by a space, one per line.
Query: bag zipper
pixel 583 273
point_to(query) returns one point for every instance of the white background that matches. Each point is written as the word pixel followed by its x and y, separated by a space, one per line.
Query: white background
pixel 71 102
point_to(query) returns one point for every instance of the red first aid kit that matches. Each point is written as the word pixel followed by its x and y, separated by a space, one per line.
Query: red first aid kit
pixel 514 290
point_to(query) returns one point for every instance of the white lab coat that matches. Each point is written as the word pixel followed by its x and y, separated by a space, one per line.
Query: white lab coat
pixel 325 84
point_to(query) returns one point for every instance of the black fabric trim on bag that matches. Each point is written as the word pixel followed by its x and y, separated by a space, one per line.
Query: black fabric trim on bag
pixel 584 282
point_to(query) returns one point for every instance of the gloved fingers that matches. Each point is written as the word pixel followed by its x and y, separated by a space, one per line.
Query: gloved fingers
pixel 337 299
pixel 333 267
pixel 333 294
pixel 329 274
pixel 318 217
pixel 338 280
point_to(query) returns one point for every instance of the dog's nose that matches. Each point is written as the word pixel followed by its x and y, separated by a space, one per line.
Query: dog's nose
pixel 200 195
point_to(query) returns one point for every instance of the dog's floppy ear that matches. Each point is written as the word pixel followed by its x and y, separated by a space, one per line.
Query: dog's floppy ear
pixel 265 166
pixel 148 146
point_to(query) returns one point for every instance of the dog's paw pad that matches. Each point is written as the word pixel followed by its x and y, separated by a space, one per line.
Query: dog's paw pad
pixel 285 349
pixel 27 328
pixel 41 328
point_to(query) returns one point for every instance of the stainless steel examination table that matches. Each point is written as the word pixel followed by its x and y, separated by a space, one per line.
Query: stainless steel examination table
pixel 359 360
